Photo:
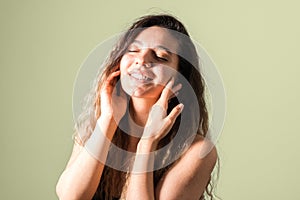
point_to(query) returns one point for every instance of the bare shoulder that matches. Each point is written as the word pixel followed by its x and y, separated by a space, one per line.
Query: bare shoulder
pixel 189 176
pixel 203 149
pixel 201 157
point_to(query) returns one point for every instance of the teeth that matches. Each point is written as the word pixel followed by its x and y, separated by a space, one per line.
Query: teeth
pixel 140 77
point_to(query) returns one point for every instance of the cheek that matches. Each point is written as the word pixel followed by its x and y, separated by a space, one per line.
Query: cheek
pixel 126 61
pixel 165 74
pixel 123 64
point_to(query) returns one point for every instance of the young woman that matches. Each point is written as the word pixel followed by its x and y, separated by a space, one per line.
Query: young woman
pixel 149 102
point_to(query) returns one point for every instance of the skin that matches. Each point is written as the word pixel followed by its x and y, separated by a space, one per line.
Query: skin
pixel 151 54
pixel 146 56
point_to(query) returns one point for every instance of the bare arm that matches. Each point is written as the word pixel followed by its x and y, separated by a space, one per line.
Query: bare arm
pixel 188 178
pixel 141 178
pixel 83 172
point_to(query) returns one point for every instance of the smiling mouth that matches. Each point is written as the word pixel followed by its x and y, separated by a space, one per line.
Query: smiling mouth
pixel 141 77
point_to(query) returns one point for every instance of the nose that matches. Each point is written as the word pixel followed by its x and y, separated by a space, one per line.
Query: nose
pixel 144 58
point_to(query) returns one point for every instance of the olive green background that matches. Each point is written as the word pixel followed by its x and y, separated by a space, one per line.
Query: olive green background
pixel 254 43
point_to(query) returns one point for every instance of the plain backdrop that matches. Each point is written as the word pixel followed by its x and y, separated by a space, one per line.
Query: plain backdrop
pixel 255 45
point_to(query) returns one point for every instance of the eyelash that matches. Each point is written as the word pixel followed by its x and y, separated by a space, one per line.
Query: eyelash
pixel 134 50
pixel 161 58
pixel 155 55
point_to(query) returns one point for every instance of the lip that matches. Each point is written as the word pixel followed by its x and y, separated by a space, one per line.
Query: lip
pixel 140 77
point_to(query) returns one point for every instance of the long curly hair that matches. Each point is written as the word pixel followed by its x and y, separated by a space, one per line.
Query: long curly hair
pixel 113 181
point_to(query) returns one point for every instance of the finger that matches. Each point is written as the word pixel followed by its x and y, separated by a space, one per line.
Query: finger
pixel 97 104
pixel 170 119
pixel 173 95
pixel 175 112
pixel 113 75
pixel 167 91
pixel 110 81
pixel 115 68
pixel 175 90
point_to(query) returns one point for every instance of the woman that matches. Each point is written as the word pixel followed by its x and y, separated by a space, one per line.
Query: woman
pixel 143 103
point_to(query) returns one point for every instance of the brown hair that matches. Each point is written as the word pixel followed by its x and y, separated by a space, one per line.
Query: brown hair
pixel 189 67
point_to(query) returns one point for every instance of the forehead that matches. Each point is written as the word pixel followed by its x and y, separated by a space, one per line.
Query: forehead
pixel 157 37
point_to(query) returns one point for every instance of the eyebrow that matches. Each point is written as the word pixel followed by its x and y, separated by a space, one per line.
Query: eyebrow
pixel 164 48
pixel 159 47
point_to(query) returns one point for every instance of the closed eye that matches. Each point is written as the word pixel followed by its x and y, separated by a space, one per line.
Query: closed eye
pixel 133 50
pixel 161 57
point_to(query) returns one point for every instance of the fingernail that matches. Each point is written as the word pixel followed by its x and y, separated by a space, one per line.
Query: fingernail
pixel 180 85
pixel 180 106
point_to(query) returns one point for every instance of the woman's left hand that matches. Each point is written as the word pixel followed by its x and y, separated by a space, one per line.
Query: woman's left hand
pixel 159 123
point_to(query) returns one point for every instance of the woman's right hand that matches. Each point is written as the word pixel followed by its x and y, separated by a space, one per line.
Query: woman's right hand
pixel 113 103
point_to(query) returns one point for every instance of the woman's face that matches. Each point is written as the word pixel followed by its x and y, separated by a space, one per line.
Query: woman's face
pixel 149 63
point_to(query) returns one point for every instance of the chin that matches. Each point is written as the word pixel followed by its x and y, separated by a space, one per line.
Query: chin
pixel 148 92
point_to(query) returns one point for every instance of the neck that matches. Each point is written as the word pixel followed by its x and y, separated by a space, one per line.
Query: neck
pixel 139 110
